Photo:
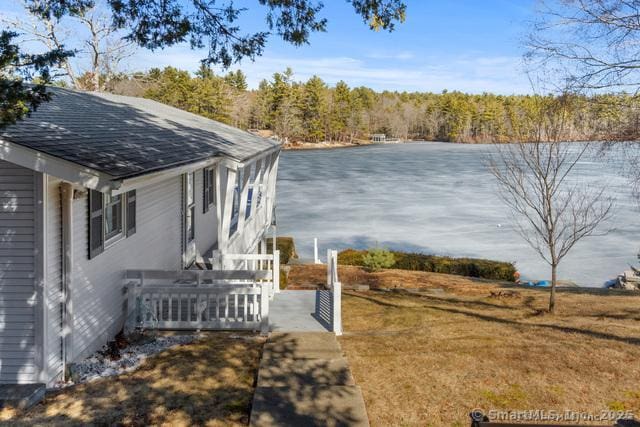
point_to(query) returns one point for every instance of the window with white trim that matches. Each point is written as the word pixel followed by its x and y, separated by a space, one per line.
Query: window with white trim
pixel 111 218
pixel 252 180
pixel 208 189
pixel 113 208
pixel 235 206
pixel 190 207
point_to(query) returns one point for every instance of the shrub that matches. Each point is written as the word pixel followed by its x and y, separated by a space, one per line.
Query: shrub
pixel 351 257
pixel 472 267
pixel 286 246
pixel 378 258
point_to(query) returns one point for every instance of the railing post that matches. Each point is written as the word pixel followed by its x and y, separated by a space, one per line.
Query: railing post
pixel 264 309
pixel 276 271
pixel 337 308
pixel 316 260
pixel 335 287
pixel 334 266
pixel 329 275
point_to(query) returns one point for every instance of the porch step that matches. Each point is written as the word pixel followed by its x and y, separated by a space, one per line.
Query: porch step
pixel 303 372
pixel 21 396
pixel 309 406
pixel 302 345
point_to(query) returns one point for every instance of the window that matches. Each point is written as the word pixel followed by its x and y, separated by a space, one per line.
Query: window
pixel 262 176
pixel 131 212
pixel 208 189
pixel 254 173
pixel 111 218
pixel 235 207
pixel 190 206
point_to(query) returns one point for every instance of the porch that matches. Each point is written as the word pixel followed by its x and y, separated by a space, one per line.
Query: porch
pixel 245 295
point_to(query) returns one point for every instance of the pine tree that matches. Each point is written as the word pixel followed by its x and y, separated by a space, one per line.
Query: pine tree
pixel 237 80
pixel 283 105
pixel 313 109
pixel 340 111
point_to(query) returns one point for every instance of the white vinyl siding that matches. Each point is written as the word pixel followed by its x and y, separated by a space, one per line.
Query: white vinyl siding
pixel 17 271
pixel 53 292
pixel 96 289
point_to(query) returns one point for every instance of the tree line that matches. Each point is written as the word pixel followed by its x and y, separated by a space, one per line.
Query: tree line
pixel 313 111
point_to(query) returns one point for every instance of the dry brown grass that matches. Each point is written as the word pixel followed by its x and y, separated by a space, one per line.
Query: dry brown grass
pixel 431 359
pixel 210 382
pixel 316 275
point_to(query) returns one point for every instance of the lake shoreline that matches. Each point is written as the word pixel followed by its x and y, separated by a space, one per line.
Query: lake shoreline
pixel 307 146
pixel 303 146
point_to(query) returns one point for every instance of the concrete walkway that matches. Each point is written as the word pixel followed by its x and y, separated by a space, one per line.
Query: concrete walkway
pixel 304 380
pixel 300 311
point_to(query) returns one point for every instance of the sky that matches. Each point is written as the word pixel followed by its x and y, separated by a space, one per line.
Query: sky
pixel 467 45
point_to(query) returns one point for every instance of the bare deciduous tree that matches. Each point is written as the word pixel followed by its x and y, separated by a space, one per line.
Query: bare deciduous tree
pixel 592 44
pixel 100 50
pixel 552 210
pixel 587 46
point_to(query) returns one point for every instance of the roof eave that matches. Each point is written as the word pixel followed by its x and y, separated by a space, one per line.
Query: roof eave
pixel 232 163
pixel 130 183
pixel 95 180
pixel 51 165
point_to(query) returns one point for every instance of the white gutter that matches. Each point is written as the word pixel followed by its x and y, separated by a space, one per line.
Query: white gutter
pixel 127 184
pixel 66 202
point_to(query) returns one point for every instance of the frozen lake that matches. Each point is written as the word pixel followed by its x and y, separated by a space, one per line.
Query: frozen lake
pixel 434 198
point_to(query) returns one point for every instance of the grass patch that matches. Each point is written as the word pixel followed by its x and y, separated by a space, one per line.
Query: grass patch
pixel 430 359
pixel 512 397
pixel 316 275
pixel 209 382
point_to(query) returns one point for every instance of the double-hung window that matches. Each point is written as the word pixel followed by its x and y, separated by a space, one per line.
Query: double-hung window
pixel 113 208
pixel 111 218
pixel 235 207
pixel 250 192
pixel 208 189
pixel 190 207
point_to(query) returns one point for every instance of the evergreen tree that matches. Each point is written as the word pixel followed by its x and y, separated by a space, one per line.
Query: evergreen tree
pixel 313 109
pixel 313 112
pixel 340 111
pixel 237 80
pixel 283 105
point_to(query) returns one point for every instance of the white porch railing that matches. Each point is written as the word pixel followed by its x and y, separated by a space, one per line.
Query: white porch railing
pixel 198 299
pixel 268 264
pixel 335 287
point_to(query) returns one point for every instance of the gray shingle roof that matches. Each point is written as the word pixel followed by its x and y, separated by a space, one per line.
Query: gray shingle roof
pixel 125 136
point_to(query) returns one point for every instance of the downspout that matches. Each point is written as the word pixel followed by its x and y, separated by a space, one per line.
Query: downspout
pixel 66 202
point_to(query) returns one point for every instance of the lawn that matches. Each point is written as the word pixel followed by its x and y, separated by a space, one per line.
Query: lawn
pixel 209 382
pixel 430 359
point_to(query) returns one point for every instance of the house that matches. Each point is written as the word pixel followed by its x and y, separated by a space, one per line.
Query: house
pixel 378 138
pixel 93 185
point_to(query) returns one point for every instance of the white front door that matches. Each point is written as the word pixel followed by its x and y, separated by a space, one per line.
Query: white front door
pixel 188 219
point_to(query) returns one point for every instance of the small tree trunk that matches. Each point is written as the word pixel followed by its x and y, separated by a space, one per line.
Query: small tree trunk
pixel 552 295
pixel 96 81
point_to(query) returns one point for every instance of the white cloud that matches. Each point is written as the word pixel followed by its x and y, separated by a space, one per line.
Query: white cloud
pixel 396 56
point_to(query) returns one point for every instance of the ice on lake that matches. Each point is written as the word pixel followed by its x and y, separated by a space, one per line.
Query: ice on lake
pixel 435 198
